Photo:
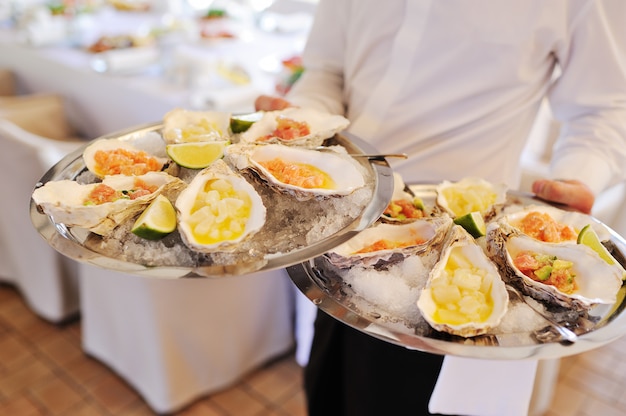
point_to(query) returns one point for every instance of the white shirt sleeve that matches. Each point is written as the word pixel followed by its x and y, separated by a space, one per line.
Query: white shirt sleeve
pixel 321 85
pixel 589 98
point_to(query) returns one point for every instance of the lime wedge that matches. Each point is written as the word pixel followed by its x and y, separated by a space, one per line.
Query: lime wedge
pixel 156 221
pixel 473 223
pixel 589 237
pixel 241 123
pixel 196 155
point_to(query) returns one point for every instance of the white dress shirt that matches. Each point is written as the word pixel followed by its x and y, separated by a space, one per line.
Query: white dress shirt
pixel 456 84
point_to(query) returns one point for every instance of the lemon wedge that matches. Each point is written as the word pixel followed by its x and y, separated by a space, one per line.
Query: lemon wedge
pixel 156 221
pixel 197 155
pixel 589 237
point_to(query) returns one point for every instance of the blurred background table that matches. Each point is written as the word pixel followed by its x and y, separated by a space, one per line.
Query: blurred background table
pixel 191 67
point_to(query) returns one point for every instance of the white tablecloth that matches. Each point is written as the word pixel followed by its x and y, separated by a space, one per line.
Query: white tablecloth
pixel 46 279
pixel 176 340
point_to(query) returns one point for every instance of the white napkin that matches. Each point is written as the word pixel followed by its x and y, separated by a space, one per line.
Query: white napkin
pixel 477 387
pixel 128 59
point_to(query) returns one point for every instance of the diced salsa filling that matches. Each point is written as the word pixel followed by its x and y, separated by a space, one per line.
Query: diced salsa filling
pixel 389 245
pixel 102 193
pixel 547 269
pixel 288 129
pixel 125 162
pixel 403 209
pixel 543 227
pixel 302 175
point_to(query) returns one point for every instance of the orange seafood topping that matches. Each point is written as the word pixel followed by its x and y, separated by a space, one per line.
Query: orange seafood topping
pixel 288 129
pixel 125 162
pixel 102 193
pixel 402 208
pixel 299 174
pixel 542 226
pixel 389 245
pixel 543 269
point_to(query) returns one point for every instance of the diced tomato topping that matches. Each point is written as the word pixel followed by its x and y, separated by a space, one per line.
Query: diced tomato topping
pixel 543 227
pixel 102 193
pixel 402 208
pixel 299 174
pixel 141 189
pixel 389 245
pixel 562 278
pixel 525 261
pixel 288 129
pixel 125 162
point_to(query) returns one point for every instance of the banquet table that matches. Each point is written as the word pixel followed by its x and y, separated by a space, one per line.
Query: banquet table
pixel 100 103
pixel 172 340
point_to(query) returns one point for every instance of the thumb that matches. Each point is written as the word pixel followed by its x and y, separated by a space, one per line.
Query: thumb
pixel 270 103
pixel 572 193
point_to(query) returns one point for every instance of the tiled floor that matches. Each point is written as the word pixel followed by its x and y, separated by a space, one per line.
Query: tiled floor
pixel 44 372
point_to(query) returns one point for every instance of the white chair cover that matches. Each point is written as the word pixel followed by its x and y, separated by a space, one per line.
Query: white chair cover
pixel 177 340
pixel 46 279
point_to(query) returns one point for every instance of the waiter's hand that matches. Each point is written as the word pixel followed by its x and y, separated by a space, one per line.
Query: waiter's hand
pixel 572 193
pixel 270 103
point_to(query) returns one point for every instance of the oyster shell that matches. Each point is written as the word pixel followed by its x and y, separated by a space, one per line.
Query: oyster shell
pixel 383 244
pixel 404 205
pixel 469 195
pixel 67 201
pixel 182 126
pixel 218 210
pixel 306 173
pixel 594 281
pixel 550 224
pixel 464 294
pixel 295 127
pixel 133 155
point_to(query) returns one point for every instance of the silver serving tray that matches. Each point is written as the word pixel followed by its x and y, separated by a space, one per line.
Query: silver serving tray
pixel 333 296
pixel 70 241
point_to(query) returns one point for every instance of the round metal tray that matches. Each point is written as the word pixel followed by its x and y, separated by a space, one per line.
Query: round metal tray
pixel 70 241
pixel 329 293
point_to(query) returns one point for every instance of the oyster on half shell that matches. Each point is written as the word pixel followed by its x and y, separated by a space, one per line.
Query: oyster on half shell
pixel 384 244
pixel 404 205
pixel 583 278
pixel 71 203
pixel 218 210
pixel 183 126
pixel 306 173
pixel 469 195
pixel 550 224
pixel 464 294
pixel 295 127
pixel 133 155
